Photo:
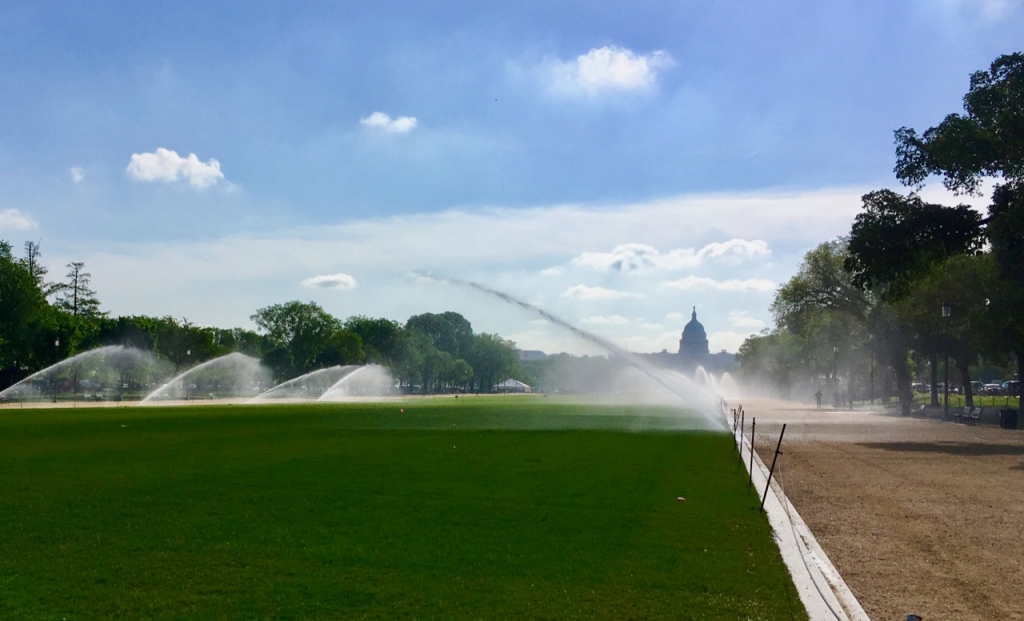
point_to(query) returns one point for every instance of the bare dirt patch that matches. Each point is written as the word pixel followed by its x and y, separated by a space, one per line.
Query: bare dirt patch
pixel 917 515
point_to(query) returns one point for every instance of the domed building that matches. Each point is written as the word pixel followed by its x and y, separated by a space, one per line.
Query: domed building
pixel 695 340
pixel 693 352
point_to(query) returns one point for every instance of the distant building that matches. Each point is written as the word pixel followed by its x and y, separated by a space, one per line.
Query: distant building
pixel 693 352
pixel 526 355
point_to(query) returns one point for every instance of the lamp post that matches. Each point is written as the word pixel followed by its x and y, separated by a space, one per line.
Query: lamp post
pixel 56 356
pixel 871 385
pixel 835 370
pixel 188 360
pixel 947 312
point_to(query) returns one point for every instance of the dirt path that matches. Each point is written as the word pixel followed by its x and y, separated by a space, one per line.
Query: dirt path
pixel 918 516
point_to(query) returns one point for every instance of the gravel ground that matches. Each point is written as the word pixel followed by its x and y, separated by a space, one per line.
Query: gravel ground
pixel 917 515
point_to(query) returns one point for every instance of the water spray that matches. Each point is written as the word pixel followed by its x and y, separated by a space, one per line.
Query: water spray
pixel 626 356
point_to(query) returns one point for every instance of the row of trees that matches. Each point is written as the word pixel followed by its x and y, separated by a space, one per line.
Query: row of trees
pixel 914 281
pixel 43 322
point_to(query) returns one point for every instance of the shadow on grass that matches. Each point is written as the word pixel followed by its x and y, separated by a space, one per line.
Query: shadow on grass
pixel 971 449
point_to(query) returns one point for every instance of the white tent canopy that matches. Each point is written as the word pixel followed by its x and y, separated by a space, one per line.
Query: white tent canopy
pixel 511 385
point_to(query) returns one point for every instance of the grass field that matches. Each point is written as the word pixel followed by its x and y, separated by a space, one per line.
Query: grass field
pixel 356 511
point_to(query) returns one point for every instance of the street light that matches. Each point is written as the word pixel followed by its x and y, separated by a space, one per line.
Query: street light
pixel 188 359
pixel 56 356
pixel 835 373
pixel 947 312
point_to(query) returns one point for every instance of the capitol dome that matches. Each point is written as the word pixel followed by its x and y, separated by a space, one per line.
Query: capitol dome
pixel 695 340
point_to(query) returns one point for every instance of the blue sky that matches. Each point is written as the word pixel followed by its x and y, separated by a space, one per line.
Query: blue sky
pixel 614 163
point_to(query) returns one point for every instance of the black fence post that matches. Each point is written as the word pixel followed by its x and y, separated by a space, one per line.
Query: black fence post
pixel 753 427
pixel 768 484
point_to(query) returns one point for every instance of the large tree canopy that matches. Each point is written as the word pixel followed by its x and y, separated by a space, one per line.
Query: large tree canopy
pixel 987 141
pixel 897 239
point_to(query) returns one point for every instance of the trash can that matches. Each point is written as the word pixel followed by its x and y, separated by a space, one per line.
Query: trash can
pixel 1008 418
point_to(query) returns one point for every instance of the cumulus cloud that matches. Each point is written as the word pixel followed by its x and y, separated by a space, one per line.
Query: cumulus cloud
pixel 605 320
pixel 726 340
pixel 643 258
pixel 379 120
pixel 341 282
pixel 698 283
pixel 743 321
pixel 77 174
pixel 166 165
pixel 988 9
pixel 16 219
pixel 552 271
pixel 603 70
pixel 583 292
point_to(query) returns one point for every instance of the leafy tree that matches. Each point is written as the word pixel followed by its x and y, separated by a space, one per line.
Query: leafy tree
pixel 449 332
pixel 26 320
pixel 963 282
pixel 75 296
pixel 897 239
pixel 493 359
pixel 381 338
pixel 36 269
pixel 310 335
pixel 985 143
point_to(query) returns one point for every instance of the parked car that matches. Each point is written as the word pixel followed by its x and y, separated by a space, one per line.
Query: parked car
pixel 993 389
pixel 1011 388
pixel 977 388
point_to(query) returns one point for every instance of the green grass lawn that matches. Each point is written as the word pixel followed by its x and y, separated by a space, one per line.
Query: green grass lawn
pixel 987 401
pixel 352 511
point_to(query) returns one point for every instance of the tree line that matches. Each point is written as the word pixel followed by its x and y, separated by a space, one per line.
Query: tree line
pixel 914 282
pixel 43 322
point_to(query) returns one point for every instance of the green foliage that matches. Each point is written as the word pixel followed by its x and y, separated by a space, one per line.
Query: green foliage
pixel 493 359
pixel 986 142
pixel 897 239
pixel 381 338
pixel 26 320
pixel 304 337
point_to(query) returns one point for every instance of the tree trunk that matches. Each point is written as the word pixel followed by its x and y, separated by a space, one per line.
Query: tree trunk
pixel 903 386
pixel 1020 376
pixel 933 362
pixel 965 376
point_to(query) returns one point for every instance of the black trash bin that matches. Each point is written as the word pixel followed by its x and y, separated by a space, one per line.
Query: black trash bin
pixel 1008 418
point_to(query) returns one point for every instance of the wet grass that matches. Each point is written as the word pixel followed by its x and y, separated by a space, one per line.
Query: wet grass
pixel 474 510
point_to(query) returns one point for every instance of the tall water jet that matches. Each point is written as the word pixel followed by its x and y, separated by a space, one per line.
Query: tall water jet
pixel 308 387
pixel 727 387
pixel 232 376
pixel 112 372
pixel 703 401
pixel 370 381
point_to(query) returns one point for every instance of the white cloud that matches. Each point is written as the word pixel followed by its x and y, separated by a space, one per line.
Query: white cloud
pixel 698 283
pixel 603 70
pixel 379 120
pixel 230 276
pixel 605 320
pixel 552 271
pixel 642 258
pixel 583 292
pixel 742 320
pixel 16 219
pixel 988 9
pixel 166 165
pixel 77 174
pixel 727 340
pixel 342 282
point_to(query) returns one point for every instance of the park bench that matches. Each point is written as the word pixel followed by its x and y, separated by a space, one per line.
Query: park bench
pixel 970 416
